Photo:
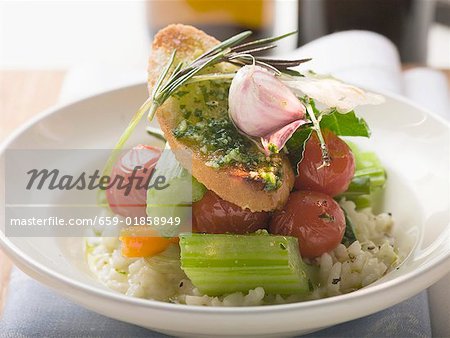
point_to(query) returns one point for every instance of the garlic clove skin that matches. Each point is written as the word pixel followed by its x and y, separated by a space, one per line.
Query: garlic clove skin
pixel 275 141
pixel 260 104
pixel 332 93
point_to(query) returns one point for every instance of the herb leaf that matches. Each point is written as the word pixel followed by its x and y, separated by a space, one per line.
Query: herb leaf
pixel 345 124
pixel 296 145
pixel 349 235
pixel 341 124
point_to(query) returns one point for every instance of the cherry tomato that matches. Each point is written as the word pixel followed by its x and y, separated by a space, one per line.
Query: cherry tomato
pixel 331 180
pixel 314 218
pixel 214 215
pixel 131 202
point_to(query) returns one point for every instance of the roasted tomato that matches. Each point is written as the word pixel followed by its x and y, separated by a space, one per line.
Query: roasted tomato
pixel 314 218
pixel 331 180
pixel 214 215
pixel 130 201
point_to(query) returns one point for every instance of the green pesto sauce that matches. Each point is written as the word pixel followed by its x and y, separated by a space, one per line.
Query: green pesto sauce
pixel 205 124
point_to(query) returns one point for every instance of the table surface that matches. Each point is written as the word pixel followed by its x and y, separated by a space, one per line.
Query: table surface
pixel 23 94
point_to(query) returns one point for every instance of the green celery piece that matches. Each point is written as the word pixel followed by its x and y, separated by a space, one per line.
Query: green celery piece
pixel 378 181
pixel 364 159
pixel 358 186
pixel 226 263
pixel 367 159
pixel 361 201
pixel 198 190
pixel 377 176
pixel 369 171
pixel 369 177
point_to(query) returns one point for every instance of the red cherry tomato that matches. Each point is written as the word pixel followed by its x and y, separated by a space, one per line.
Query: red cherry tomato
pixel 214 215
pixel 331 180
pixel 314 218
pixel 132 202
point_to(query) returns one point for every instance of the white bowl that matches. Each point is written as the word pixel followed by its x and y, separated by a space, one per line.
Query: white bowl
pixel 412 143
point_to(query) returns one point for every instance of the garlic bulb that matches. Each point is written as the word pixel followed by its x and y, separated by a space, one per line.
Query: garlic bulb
pixel 261 106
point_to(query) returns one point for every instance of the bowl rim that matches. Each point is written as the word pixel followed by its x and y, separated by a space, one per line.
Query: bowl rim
pixel 18 256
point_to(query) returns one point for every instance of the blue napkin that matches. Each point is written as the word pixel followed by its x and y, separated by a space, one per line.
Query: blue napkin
pixel 32 310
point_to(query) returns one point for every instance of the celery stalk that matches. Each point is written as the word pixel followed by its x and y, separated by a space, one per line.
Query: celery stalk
pixel 198 190
pixel 367 159
pixel 358 186
pixel 362 201
pixel 369 177
pixel 221 264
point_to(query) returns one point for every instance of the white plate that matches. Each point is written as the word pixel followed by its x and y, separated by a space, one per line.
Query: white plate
pixel 412 143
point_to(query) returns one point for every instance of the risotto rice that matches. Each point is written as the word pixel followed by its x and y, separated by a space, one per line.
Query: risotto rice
pixel 340 271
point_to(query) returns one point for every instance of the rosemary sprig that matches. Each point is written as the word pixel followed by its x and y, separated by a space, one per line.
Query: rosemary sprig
pixel 229 43
pixel 230 51
pixel 172 77
pixel 156 132
pixel 262 42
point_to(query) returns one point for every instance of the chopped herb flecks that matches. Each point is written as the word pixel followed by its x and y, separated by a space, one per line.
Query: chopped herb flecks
pixel 335 281
pixel 206 124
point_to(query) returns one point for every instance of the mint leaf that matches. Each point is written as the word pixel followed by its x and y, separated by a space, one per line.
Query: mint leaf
pixel 345 124
pixel 296 145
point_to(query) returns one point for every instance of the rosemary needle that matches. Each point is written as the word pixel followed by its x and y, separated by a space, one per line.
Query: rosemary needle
pixel 173 76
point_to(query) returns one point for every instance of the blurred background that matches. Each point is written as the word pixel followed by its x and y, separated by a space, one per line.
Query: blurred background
pixel 63 34
pixel 57 51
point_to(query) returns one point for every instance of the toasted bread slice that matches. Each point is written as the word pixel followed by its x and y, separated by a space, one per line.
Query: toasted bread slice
pixel 232 182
